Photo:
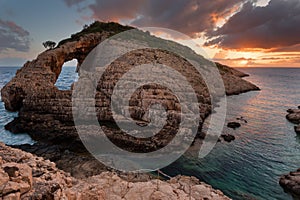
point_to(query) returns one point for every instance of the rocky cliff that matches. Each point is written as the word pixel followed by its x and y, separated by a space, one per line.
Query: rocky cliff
pixel 45 112
pixel 25 176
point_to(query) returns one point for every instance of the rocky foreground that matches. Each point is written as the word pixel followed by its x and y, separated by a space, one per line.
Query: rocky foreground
pixel 25 176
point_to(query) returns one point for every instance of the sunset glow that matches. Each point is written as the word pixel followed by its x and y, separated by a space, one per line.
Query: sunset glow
pixel 243 33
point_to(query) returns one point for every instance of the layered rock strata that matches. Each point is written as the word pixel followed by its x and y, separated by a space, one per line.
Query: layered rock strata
pixel 45 112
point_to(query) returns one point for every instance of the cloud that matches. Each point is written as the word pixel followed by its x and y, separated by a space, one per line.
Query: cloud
pixel 13 36
pixel 293 48
pixel 187 16
pixel 73 2
pixel 273 26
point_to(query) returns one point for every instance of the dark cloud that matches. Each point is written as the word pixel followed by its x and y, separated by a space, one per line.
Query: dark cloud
pixel 13 36
pixel 274 26
pixel 187 16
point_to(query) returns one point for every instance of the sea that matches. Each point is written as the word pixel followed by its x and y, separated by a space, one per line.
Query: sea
pixel 265 147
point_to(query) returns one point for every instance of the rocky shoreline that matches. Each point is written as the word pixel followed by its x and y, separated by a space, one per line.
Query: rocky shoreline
pixel 45 113
pixel 291 182
pixel 26 176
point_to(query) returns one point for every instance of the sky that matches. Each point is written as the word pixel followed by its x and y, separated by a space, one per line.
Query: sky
pixel 239 33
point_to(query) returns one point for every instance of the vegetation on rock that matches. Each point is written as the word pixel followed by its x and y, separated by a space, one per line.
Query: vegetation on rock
pixel 97 27
pixel 49 44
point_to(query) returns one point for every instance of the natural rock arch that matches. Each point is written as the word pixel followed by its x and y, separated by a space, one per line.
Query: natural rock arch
pixel 46 112
pixel 43 72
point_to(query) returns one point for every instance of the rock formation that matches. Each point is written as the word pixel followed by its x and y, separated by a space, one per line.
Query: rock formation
pixel 228 137
pixel 233 125
pixel 25 176
pixel 294 117
pixel 291 183
pixel 45 112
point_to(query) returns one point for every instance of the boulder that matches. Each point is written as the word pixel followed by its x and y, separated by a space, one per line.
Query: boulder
pixel 294 117
pixel 234 125
pixel 291 183
pixel 228 137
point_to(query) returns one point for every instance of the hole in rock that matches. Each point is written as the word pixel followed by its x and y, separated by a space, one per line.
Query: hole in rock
pixel 67 76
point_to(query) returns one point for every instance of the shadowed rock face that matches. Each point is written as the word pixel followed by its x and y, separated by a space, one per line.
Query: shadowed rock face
pixel 46 112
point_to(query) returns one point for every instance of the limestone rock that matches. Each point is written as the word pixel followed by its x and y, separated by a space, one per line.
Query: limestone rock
pixel 53 183
pixel 45 112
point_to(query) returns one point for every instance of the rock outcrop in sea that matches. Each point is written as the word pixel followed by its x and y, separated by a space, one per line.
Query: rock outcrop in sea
pixel 291 183
pixel 45 113
pixel 294 117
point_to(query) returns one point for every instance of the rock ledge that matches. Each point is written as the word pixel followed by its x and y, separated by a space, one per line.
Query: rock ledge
pixel 25 176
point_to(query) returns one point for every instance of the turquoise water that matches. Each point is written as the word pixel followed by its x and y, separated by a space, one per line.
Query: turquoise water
pixel 248 168
pixel 265 148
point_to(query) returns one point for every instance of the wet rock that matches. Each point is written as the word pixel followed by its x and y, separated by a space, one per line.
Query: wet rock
pixel 234 125
pixel 291 183
pixel 294 117
pixel 228 137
